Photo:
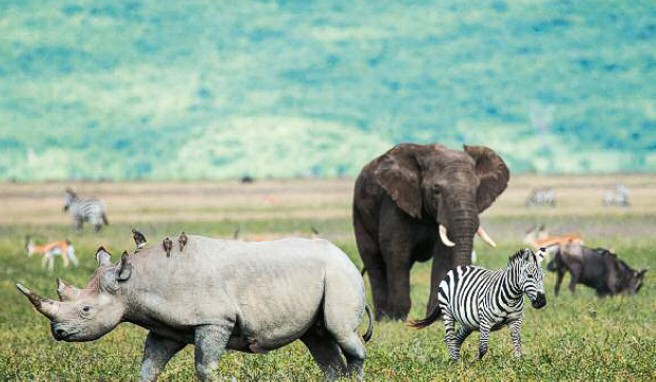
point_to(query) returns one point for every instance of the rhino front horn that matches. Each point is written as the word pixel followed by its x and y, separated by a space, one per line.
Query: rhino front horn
pixel 47 307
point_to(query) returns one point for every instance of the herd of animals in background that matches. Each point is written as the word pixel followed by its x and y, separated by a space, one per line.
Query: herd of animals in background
pixel 541 197
pixel 546 196
pixel 619 196
pixel 412 204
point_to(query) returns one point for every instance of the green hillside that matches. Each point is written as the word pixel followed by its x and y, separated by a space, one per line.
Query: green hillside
pixel 210 90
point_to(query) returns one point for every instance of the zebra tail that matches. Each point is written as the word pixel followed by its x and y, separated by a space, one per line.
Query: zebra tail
pixel 434 314
pixel 104 218
pixel 370 329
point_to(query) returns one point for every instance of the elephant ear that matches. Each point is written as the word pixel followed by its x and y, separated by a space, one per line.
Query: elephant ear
pixel 397 173
pixel 493 173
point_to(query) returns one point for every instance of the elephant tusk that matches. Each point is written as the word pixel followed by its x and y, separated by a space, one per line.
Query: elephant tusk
pixel 445 238
pixel 486 238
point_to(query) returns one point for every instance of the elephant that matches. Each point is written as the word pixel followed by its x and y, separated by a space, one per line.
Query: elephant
pixel 408 205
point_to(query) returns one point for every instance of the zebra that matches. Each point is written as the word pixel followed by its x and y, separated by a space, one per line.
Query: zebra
pixel 618 196
pixel 91 211
pixel 541 197
pixel 486 300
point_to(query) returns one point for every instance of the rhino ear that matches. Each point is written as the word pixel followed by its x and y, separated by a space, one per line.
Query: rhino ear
pixel 103 257
pixel 125 269
pixel 120 273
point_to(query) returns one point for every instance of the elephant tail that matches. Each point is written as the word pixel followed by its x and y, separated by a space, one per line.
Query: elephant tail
pixel 434 314
pixel 370 329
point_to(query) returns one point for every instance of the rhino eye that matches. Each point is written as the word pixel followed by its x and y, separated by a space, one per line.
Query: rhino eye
pixel 86 309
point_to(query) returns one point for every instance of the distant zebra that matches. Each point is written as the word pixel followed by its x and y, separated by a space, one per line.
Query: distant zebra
pixel 485 300
pixel 542 197
pixel 617 197
pixel 91 211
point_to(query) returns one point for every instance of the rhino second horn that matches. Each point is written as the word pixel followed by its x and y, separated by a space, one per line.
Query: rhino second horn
pixel 47 307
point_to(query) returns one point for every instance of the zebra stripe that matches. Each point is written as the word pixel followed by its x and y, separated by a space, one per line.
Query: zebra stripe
pixel 91 211
pixel 485 300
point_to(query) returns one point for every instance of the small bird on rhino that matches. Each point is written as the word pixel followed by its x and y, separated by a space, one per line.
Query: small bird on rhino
pixel 139 238
pixel 182 240
pixel 168 245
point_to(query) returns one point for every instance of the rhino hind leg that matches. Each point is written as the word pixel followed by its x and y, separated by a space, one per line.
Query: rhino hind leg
pixel 326 353
pixel 353 349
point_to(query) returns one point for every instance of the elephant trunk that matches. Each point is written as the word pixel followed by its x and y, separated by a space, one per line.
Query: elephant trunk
pixel 463 231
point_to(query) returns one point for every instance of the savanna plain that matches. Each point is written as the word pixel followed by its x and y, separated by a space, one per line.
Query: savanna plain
pixel 576 337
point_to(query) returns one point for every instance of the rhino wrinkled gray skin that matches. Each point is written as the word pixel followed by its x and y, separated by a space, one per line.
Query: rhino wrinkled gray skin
pixel 222 294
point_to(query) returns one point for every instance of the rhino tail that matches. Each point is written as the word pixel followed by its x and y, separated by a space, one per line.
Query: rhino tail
pixel 370 329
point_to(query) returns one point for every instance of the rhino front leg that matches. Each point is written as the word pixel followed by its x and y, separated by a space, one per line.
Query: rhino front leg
pixel 210 341
pixel 157 353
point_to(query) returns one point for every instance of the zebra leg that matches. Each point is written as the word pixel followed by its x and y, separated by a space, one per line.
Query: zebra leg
pixel 461 336
pixel 485 336
pixel 78 224
pixel 449 337
pixel 516 338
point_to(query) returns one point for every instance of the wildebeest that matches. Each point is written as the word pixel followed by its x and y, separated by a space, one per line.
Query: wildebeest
pixel 596 268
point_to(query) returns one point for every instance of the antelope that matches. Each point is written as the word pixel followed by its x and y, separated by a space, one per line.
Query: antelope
pixel 539 238
pixel 50 250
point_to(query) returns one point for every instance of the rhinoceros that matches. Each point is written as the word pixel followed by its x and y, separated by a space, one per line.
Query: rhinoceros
pixel 222 294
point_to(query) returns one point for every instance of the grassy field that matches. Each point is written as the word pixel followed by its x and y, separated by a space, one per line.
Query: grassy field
pixel 576 337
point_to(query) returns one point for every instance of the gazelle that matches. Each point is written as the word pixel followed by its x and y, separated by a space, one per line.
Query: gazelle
pixel 61 248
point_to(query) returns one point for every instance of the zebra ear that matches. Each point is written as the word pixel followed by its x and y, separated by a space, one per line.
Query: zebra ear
pixel 103 257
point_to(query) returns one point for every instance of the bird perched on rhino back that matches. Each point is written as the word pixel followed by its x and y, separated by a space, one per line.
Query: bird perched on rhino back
pixel 182 240
pixel 139 238
pixel 167 244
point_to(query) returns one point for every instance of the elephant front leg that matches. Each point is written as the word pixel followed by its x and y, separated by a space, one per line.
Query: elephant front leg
pixel 210 341
pixel 398 287
pixel 157 353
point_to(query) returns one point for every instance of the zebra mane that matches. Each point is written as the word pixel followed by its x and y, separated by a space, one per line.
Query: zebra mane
pixel 71 192
pixel 518 256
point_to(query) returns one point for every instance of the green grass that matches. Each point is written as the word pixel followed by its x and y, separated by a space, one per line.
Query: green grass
pixel 576 337
pixel 215 90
